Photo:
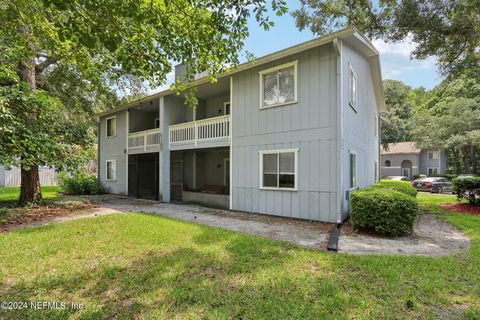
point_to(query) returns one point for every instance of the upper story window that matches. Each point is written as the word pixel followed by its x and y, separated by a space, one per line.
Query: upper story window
pixel 352 89
pixel 387 163
pixel 111 127
pixel 278 169
pixel 432 155
pixel 278 85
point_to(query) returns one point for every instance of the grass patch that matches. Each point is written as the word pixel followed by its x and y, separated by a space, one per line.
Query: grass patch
pixel 12 194
pixel 149 267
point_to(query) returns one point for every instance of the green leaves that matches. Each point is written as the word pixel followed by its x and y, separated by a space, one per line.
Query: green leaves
pixel 448 30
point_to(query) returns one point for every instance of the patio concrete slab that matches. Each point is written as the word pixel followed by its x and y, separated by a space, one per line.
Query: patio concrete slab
pixel 431 237
pixel 300 232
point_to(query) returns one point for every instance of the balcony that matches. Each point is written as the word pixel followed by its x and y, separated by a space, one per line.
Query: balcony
pixel 206 133
pixel 148 140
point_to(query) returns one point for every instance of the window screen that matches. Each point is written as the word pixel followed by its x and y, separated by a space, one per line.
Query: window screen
pixel 353 89
pixel 353 170
pixel 279 87
pixel 111 127
pixel 111 170
pixel 279 170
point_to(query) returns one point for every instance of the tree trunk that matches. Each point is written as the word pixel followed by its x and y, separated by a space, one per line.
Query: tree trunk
pixel 466 158
pixel 30 186
pixel 30 180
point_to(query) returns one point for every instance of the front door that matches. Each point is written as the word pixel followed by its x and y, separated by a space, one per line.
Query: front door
pixel 176 180
pixel 406 172
pixel 143 177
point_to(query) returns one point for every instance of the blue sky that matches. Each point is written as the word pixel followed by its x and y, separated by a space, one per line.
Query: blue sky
pixel 395 58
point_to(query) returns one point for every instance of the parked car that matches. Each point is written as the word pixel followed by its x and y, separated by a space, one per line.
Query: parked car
pixel 402 178
pixel 467 175
pixel 433 184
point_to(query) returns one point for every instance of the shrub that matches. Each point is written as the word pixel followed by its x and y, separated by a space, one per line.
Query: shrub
pixel 387 212
pixel 80 183
pixel 468 188
pixel 400 186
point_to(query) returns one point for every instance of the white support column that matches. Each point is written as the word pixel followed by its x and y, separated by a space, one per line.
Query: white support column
pixel 230 131
pixel 127 126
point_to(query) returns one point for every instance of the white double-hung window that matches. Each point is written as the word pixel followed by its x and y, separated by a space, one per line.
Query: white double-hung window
pixel 278 169
pixel 111 127
pixel 111 172
pixel 352 89
pixel 278 85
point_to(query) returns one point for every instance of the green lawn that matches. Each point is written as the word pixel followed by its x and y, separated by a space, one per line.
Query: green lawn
pixel 143 266
pixel 11 194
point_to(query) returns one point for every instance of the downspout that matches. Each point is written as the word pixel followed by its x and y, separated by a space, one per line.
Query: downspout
pixel 337 45
pixel 230 131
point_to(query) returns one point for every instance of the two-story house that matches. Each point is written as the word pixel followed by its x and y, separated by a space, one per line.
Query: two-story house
pixel 291 134
pixel 405 159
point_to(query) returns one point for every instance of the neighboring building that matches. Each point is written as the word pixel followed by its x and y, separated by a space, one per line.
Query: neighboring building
pixel 405 159
pixel 289 135
pixel 12 177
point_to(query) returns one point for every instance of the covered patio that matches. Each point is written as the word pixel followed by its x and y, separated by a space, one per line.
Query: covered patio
pixel 201 176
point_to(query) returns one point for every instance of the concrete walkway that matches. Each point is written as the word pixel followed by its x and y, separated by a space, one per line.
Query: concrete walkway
pixel 303 233
pixel 431 237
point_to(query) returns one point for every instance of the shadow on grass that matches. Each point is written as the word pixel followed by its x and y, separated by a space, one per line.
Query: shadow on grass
pixel 228 275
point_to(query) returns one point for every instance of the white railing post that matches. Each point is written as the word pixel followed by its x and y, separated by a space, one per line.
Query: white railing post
pixel 195 133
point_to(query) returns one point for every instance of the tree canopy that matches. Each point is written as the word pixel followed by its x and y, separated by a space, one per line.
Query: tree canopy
pixel 61 58
pixel 447 29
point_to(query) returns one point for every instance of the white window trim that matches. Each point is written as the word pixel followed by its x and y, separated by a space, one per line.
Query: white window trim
pixel 428 169
pixel 271 70
pixel 106 127
pixel 353 106
pixel 262 152
pixel 225 107
pixel 350 170
pixel 433 155
pixel 106 170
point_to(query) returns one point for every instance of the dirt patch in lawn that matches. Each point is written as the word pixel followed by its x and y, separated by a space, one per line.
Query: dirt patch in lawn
pixel 18 217
pixel 462 208
pixel 432 237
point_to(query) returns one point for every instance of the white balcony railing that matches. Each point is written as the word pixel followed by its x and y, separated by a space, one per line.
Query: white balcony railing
pixel 211 129
pixel 144 139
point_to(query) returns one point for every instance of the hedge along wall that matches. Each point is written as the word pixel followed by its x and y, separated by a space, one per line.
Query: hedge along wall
pixel 384 211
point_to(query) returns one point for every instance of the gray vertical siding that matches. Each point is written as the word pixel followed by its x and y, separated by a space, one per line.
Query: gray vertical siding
pixel 114 149
pixel 309 125
pixel 359 126
pixel 440 163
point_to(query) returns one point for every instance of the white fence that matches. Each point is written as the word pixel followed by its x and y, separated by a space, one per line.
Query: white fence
pixel 144 139
pixel 12 178
pixel 211 129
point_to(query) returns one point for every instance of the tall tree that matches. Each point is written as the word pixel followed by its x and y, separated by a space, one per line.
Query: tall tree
pixel 97 41
pixel 450 119
pixel 396 122
pixel 447 29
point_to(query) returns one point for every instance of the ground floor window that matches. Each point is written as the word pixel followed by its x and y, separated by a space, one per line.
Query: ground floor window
pixel 278 169
pixel 353 170
pixel 432 171
pixel 111 170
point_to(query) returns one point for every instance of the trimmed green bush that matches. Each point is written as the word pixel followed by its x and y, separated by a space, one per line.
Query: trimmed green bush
pixel 383 211
pixel 400 186
pixel 80 183
pixel 468 188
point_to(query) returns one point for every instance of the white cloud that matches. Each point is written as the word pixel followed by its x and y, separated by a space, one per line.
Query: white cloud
pixel 397 63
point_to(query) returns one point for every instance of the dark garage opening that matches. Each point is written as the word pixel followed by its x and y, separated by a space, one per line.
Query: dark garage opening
pixel 143 176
